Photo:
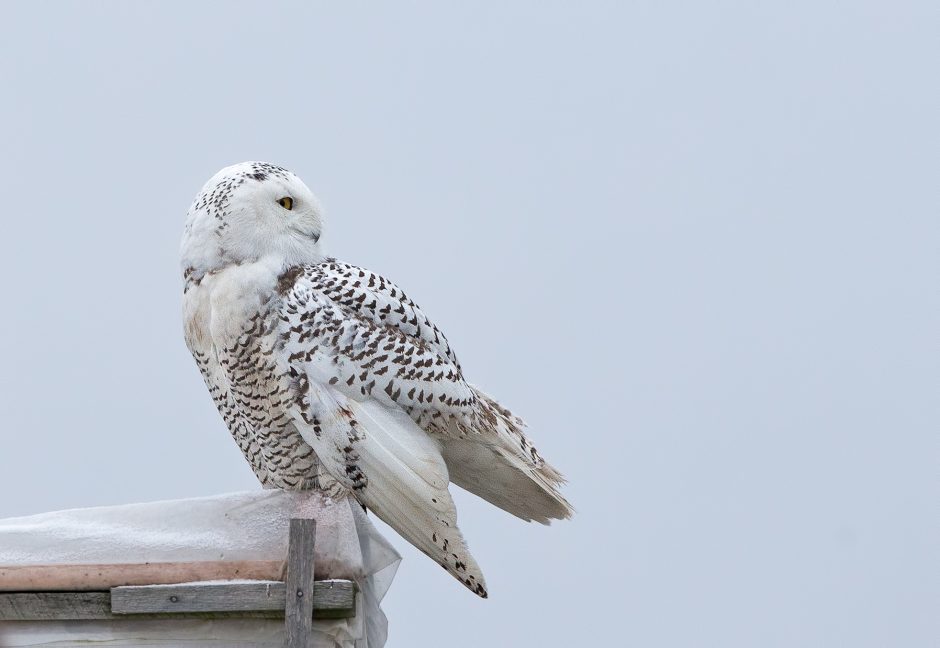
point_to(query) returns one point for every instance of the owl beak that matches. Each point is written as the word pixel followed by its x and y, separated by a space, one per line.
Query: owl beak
pixel 313 236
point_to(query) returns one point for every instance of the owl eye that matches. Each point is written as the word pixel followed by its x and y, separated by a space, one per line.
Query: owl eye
pixel 286 202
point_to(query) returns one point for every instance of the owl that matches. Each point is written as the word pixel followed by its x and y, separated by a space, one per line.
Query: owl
pixel 331 378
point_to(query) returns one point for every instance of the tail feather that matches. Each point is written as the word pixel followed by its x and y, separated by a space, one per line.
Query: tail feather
pixel 503 467
pixel 495 475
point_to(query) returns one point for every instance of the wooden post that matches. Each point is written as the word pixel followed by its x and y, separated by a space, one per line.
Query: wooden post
pixel 298 613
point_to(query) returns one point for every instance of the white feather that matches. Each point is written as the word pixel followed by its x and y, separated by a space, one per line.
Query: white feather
pixel 405 476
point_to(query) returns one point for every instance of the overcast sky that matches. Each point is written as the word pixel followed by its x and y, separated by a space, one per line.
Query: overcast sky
pixel 694 244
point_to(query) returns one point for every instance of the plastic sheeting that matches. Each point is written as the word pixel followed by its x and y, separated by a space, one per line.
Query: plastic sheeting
pixel 240 526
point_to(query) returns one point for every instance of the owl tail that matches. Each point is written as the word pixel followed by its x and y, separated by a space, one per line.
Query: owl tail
pixel 502 466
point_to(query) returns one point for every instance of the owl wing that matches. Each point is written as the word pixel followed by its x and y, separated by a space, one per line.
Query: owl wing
pixel 349 376
pixel 378 344
pixel 376 299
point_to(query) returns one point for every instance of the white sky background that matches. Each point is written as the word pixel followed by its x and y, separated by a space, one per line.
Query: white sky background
pixel 693 244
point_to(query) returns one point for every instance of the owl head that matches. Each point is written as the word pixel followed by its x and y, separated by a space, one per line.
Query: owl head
pixel 247 212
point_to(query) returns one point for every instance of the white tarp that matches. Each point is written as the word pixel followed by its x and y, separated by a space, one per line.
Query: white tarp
pixel 239 526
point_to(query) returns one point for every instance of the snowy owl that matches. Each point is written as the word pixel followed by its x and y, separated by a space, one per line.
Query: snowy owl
pixel 330 378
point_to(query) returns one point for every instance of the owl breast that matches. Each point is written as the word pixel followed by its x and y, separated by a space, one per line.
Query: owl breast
pixel 237 350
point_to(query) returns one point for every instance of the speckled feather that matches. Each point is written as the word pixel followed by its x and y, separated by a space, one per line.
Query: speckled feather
pixel 330 377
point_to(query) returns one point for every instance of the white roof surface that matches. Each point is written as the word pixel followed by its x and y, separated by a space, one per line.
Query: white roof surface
pixel 248 526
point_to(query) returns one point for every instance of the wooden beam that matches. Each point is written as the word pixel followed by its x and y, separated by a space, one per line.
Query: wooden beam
pixel 333 599
pixel 55 606
pixel 92 578
pixel 243 597
pixel 298 614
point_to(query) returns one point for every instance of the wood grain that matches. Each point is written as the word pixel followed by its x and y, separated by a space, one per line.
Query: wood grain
pixel 334 599
pixel 91 578
pixel 298 614
pixel 55 606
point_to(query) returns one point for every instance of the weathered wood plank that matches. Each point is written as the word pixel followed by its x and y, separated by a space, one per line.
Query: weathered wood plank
pixel 49 606
pixel 198 598
pixel 332 599
pixel 91 578
pixel 298 614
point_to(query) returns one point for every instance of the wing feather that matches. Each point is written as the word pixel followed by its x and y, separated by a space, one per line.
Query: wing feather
pixel 360 350
pixel 395 469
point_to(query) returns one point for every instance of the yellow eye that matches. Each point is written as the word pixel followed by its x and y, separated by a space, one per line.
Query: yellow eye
pixel 286 202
